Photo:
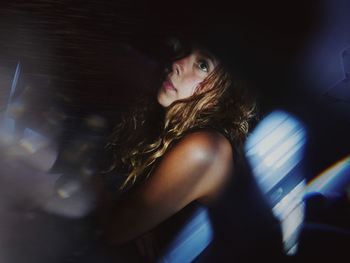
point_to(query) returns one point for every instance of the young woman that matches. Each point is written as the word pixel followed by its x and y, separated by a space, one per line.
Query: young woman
pixel 177 150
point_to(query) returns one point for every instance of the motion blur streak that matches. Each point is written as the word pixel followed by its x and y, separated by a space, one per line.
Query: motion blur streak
pixel 274 150
pixel 8 122
pixel 193 238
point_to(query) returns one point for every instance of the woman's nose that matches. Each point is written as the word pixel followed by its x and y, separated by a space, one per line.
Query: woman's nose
pixel 181 65
pixel 177 68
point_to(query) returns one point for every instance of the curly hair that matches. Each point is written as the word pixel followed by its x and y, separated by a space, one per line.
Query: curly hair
pixel 220 102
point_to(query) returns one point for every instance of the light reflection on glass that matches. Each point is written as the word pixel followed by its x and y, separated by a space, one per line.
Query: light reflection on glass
pixel 274 150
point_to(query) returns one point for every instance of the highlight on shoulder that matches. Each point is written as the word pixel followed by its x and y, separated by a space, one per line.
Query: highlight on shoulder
pixel 211 151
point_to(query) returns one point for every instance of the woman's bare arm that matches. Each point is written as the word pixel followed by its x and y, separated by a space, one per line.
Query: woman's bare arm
pixel 196 168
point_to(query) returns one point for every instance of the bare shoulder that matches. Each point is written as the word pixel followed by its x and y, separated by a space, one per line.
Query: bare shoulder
pixel 208 156
pixel 196 168
pixel 205 146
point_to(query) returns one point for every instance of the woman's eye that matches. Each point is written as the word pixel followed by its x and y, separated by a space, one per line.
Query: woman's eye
pixel 203 65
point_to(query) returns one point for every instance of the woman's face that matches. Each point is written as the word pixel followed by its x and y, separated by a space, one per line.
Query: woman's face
pixel 185 76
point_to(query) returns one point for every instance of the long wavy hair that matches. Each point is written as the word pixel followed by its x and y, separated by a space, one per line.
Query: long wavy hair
pixel 221 102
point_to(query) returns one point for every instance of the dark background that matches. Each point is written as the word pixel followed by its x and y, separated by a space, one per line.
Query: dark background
pixel 95 57
pixel 99 55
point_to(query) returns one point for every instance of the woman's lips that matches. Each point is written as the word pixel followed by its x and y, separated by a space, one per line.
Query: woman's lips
pixel 168 85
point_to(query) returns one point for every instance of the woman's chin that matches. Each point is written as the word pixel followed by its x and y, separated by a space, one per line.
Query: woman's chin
pixel 163 100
